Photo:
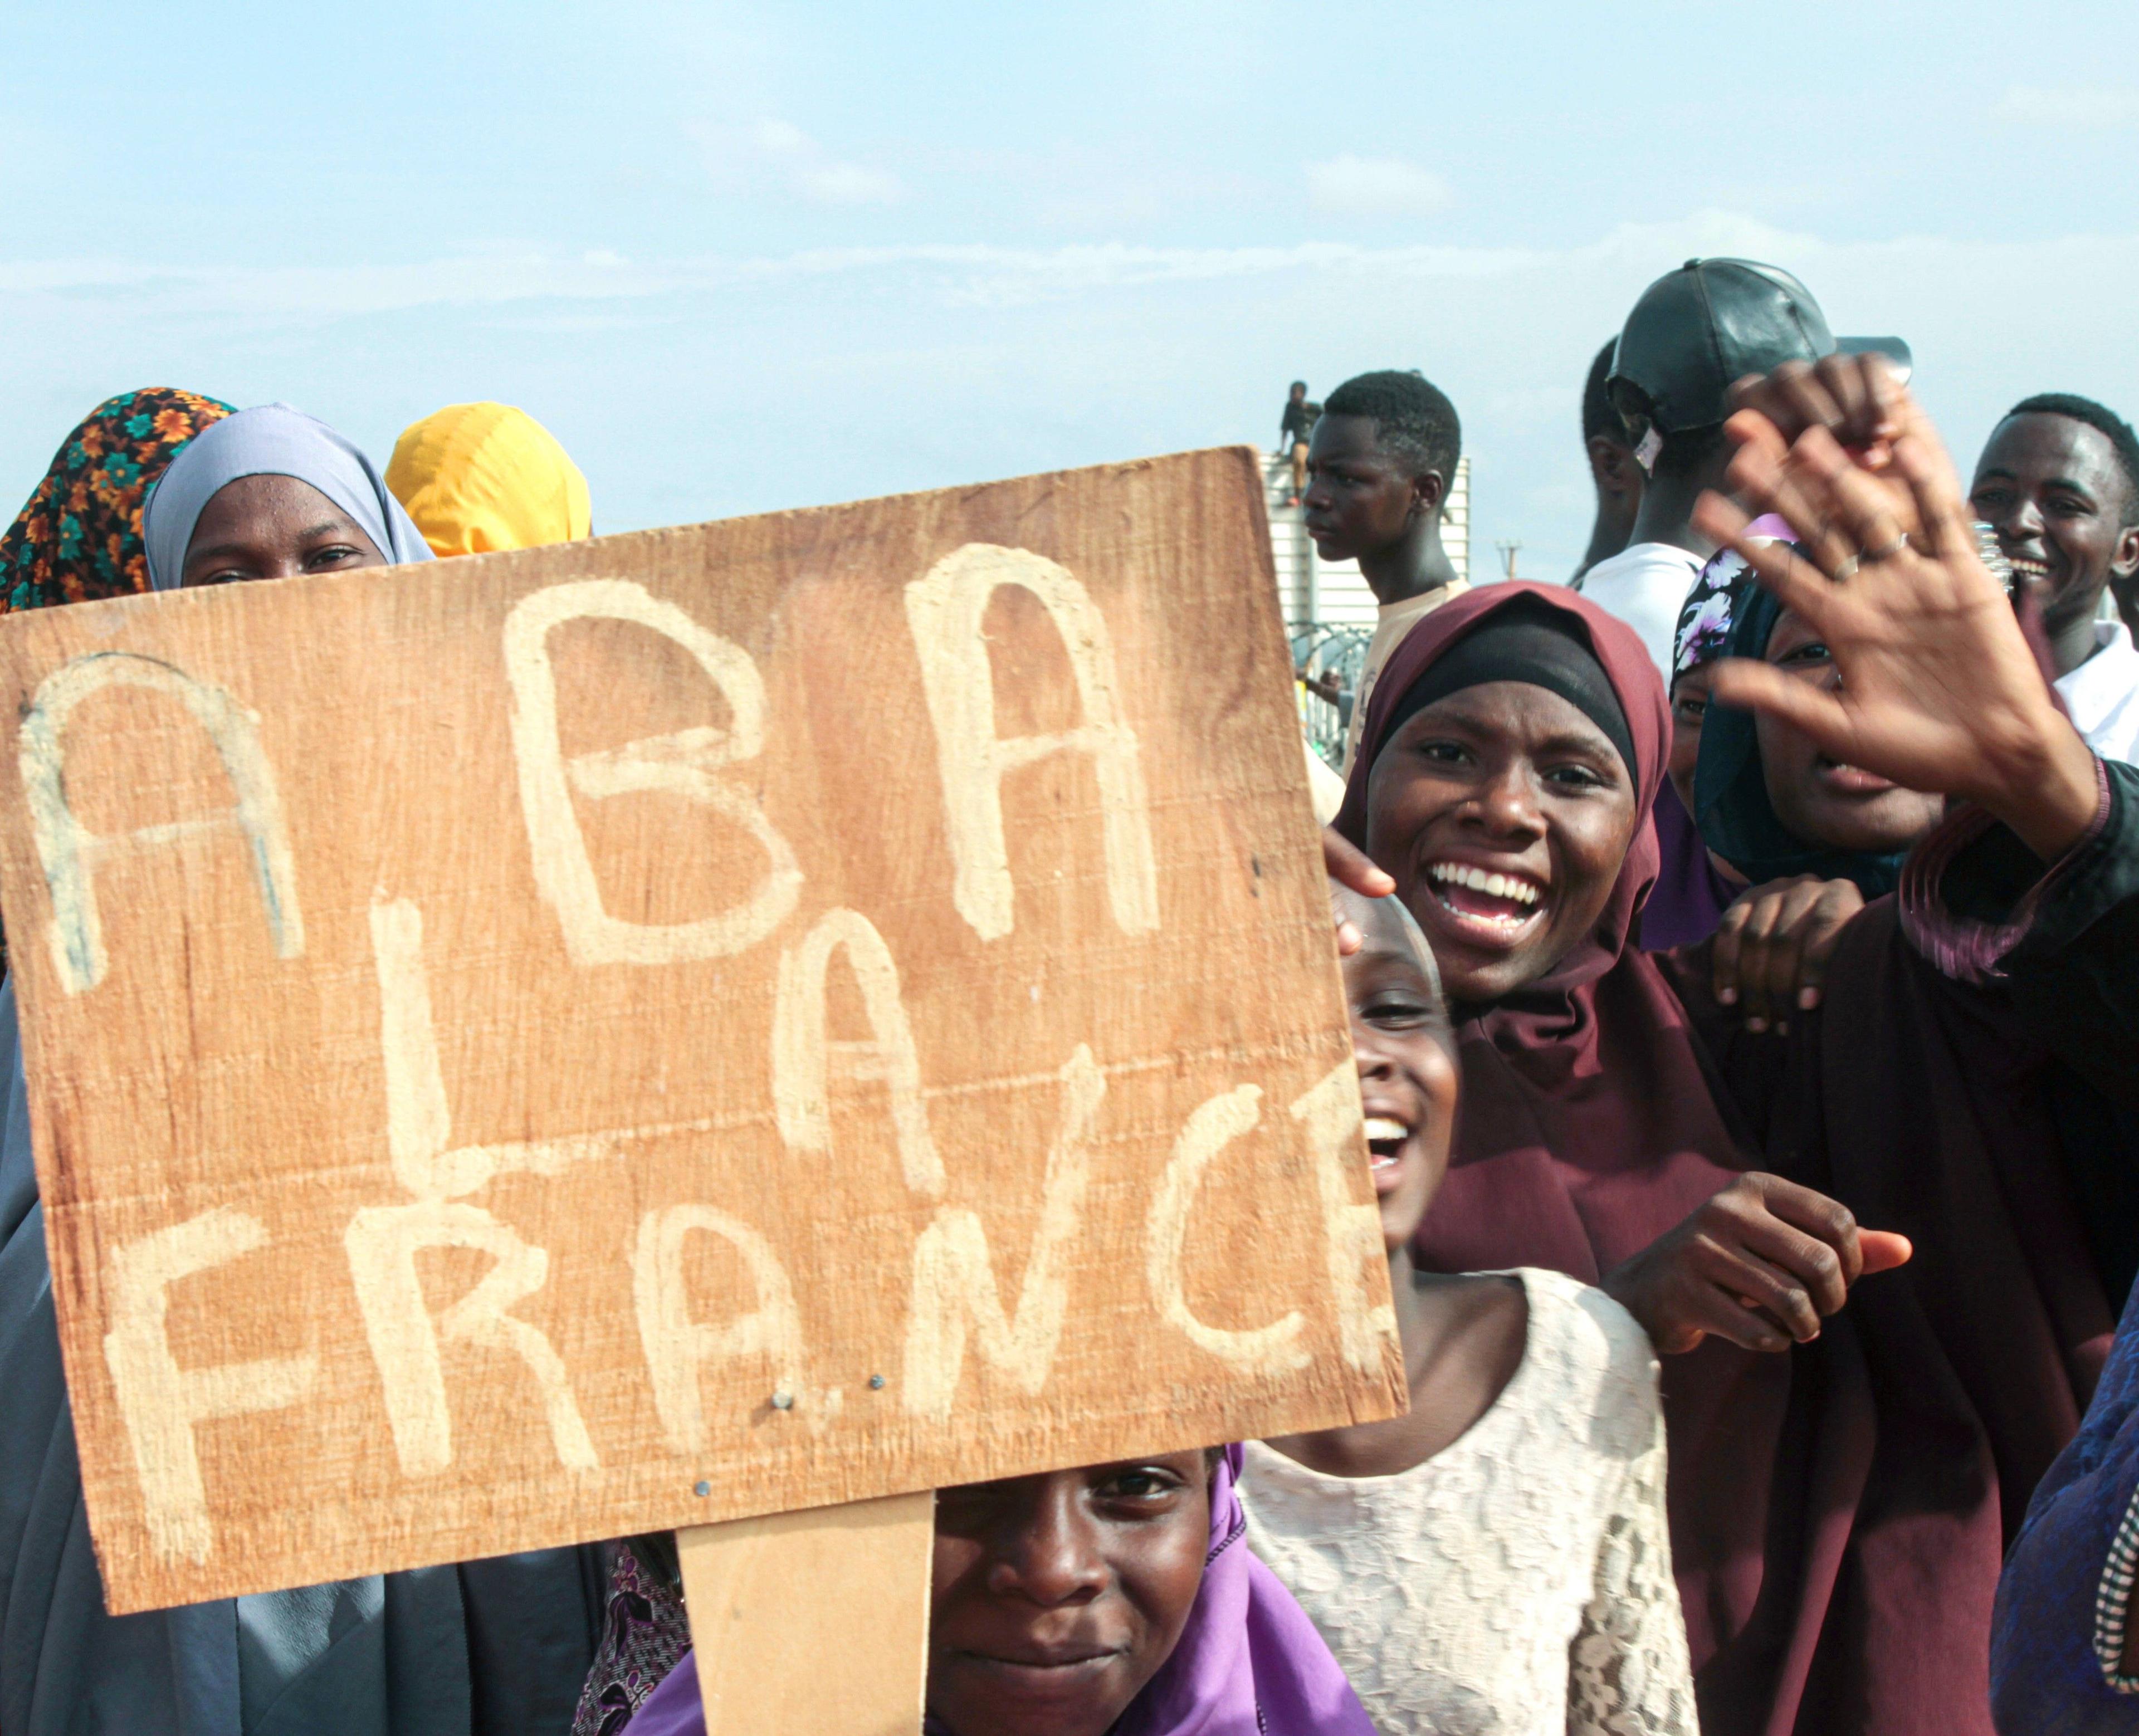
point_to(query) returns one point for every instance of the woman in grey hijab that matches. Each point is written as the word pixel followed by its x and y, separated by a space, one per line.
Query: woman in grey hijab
pixel 480 1649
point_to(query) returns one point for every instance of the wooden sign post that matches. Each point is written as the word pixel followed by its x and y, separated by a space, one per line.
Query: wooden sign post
pixel 689 1027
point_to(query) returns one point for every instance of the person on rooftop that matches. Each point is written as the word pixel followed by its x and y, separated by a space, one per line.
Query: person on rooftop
pixel 1379 467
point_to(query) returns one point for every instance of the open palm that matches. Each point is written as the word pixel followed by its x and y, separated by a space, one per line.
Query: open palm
pixel 1940 690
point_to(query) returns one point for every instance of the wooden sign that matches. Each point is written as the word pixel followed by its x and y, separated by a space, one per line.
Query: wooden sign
pixel 700 1024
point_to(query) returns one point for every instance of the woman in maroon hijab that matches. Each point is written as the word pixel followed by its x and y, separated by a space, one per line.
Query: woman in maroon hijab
pixel 1841 1482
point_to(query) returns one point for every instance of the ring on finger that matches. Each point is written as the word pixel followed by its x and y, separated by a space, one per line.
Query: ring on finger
pixel 1886 551
pixel 1889 550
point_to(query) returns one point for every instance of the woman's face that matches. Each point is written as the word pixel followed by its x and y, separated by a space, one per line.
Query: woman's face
pixel 1689 705
pixel 272 527
pixel 1817 798
pixel 1056 1598
pixel 1503 815
pixel 1406 1055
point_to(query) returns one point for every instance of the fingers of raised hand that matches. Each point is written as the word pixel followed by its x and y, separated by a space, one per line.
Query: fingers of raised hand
pixel 1858 398
pixel 1845 498
pixel 1945 534
pixel 1755 687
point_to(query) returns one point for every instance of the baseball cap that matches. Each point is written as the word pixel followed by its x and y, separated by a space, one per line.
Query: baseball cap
pixel 1713 321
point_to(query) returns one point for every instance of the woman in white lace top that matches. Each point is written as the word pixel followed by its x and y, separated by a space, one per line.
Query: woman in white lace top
pixel 1496 1562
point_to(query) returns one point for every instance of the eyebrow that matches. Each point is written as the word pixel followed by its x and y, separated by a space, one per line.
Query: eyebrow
pixel 2067 483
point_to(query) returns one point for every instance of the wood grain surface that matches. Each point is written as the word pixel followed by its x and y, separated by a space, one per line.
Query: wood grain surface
pixel 702 1023
pixel 813 1623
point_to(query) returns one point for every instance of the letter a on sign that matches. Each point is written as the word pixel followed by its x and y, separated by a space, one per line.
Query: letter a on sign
pixel 945 608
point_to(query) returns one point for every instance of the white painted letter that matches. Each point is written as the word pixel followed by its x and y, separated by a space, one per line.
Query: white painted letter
pixel 69 852
pixel 686 764
pixel 679 1348
pixel 1352 1230
pixel 944 610
pixel 382 1243
pixel 161 1401
pixel 954 1278
pixel 802 1051
pixel 1214 1126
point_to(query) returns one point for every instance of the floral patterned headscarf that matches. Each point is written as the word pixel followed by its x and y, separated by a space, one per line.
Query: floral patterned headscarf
pixel 1703 634
pixel 80 536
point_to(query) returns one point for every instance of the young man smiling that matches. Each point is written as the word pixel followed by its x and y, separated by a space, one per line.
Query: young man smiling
pixel 1378 468
pixel 2059 481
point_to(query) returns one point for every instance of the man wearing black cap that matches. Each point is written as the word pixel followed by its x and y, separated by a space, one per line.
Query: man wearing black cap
pixel 1691 334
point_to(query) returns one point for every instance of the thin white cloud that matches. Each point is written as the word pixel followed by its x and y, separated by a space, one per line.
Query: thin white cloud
pixel 984 274
pixel 2085 108
pixel 1349 186
pixel 809 171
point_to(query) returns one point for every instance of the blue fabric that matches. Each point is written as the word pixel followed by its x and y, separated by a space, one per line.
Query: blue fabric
pixel 484 1649
pixel 2045 1677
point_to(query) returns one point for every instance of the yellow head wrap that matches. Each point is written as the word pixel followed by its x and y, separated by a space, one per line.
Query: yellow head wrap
pixel 477 477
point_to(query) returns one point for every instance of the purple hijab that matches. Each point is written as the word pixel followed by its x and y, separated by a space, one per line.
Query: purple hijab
pixel 1249 1663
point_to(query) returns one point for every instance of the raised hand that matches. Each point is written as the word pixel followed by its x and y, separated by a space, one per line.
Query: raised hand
pixel 1939 691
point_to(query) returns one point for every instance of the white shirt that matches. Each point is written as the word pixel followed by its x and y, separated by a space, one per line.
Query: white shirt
pixel 1518 1583
pixel 2102 694
pixel 1646 586
pixel 1392 622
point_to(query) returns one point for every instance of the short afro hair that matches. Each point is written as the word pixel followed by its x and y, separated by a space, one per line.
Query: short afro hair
pixel 2104 421
pixel 1599 415
pixel 1412 416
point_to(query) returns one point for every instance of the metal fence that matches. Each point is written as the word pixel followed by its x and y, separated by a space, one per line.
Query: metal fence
pixel 1327 662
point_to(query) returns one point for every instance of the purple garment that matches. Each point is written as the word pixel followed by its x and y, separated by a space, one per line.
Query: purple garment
pixel 1249 1663
pixel 1691 894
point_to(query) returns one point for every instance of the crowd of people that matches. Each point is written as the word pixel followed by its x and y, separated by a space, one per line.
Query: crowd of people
pixel 1741 947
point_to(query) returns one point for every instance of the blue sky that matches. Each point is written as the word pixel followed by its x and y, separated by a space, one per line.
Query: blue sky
pixel 740 259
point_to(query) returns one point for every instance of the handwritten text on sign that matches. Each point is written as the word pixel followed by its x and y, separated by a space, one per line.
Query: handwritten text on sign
pixel 805 1008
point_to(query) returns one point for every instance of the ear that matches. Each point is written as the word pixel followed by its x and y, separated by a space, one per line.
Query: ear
pixel 1611 464
pixel 2125 562
pixel 1427 490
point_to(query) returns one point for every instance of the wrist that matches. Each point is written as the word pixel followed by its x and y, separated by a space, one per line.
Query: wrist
pixel 2045 790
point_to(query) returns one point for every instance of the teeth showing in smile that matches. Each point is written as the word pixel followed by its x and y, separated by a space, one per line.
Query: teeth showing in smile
pixel 2028 568
pixel 1495 904
pixel 1383 1136
pixel 1493 886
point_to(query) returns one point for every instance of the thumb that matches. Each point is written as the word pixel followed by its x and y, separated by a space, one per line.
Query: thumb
pixel 1881 1250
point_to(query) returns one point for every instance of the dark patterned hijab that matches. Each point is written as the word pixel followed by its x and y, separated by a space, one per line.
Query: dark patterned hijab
pixel 79 538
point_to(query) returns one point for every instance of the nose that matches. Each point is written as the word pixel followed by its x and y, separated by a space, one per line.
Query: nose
pixel 1505 805
pixel 2022 522
pixel 1317 497
pixel 1374 1064
pixel 1049 1554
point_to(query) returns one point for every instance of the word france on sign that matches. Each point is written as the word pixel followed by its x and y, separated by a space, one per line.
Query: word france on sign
pixel 700 1024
